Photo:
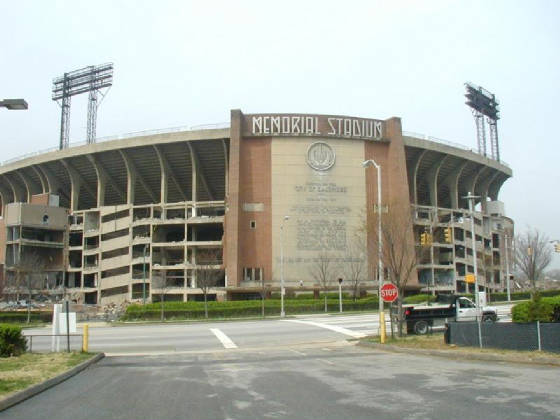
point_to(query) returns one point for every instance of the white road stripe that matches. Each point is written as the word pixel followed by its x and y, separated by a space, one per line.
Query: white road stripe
pixel 335 328
pixel 225 340
pixel 355 324
pixel 342 319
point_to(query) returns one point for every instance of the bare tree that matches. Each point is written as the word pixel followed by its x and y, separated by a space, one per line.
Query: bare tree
pixel 28 276
pixel 208 272
pixel 355 265
pixel 263 292
pixel 159 282
pixel 324 271
pixel 533 254
pixel 399 252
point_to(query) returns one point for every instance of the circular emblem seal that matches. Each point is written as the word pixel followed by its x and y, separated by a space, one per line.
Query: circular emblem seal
pixel 320 156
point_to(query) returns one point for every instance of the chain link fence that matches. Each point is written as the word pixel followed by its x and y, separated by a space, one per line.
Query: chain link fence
pixel 505 335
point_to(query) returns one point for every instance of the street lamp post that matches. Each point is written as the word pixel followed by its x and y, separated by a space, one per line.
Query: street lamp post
pixel 471 199
pixel 282 313
pixel 365 164
pixel 13 104
pixel 144 275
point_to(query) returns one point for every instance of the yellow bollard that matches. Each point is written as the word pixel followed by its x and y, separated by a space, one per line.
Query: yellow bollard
pixel 85 338
pixel 382 327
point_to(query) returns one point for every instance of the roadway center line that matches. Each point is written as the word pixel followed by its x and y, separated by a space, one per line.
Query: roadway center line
pixel 224 339
pixel 335 328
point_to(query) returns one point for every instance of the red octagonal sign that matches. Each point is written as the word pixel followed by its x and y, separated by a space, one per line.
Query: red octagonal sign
pixel 389 292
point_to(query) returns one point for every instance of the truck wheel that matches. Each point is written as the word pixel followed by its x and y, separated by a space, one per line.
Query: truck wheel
pixel 421 327
pixel 488 318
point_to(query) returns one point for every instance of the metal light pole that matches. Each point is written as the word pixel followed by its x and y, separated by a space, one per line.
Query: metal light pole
pixel 13 104
pixel 340 294
pixel 471 199
pixel 507 267
pixel 144 275
pixel 365 164
pixel 282 313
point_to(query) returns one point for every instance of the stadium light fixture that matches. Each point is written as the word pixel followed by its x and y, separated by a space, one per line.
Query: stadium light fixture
pixel 14 104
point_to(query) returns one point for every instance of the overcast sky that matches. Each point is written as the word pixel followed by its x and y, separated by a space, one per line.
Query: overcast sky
pixel 180 63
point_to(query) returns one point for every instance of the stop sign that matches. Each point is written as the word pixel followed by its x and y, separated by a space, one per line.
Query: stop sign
pixel 389 292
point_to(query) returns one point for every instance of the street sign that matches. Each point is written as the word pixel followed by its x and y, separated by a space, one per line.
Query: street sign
pixel 389 292
pixel 469 278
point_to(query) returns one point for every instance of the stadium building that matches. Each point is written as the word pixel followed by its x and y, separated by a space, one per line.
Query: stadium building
pixel 264 196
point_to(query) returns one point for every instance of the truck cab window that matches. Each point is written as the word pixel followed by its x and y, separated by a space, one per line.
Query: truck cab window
pixel 464 303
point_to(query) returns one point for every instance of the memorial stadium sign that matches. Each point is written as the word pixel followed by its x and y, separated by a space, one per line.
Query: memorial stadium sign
pixel 312 125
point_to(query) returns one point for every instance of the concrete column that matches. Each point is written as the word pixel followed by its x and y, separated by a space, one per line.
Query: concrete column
pixel 75 186
pixel 194 180
pixel 231 245
pixel 44 185
pixel 164 177
pixel 415 176
pixel 18 193
pixel 130 179
pixel 452 181
pixel 101 182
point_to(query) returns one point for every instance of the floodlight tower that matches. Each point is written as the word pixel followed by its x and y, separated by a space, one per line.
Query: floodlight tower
pixel 484 104
pixel 90 79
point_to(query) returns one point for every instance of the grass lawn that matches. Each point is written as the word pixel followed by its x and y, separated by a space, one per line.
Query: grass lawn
pixel 17 373
pixel 435 342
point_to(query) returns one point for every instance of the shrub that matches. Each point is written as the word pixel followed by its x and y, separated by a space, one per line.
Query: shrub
pixel 12 341
pixel 240 308
pixel 502 296
pixel 414 299
pixel 21 316
pixel 543 309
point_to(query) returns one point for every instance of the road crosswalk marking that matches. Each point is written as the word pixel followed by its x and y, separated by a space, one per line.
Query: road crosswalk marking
pixel 335 328
pixel 224 339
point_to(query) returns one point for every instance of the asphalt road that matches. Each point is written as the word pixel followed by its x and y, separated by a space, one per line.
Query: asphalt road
pixel 208 336
pixel 316 381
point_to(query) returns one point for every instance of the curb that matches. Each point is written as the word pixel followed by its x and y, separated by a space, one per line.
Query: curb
pixel 458 354
pixel 49 383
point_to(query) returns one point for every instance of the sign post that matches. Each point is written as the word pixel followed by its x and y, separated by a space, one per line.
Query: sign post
pixel 389 293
